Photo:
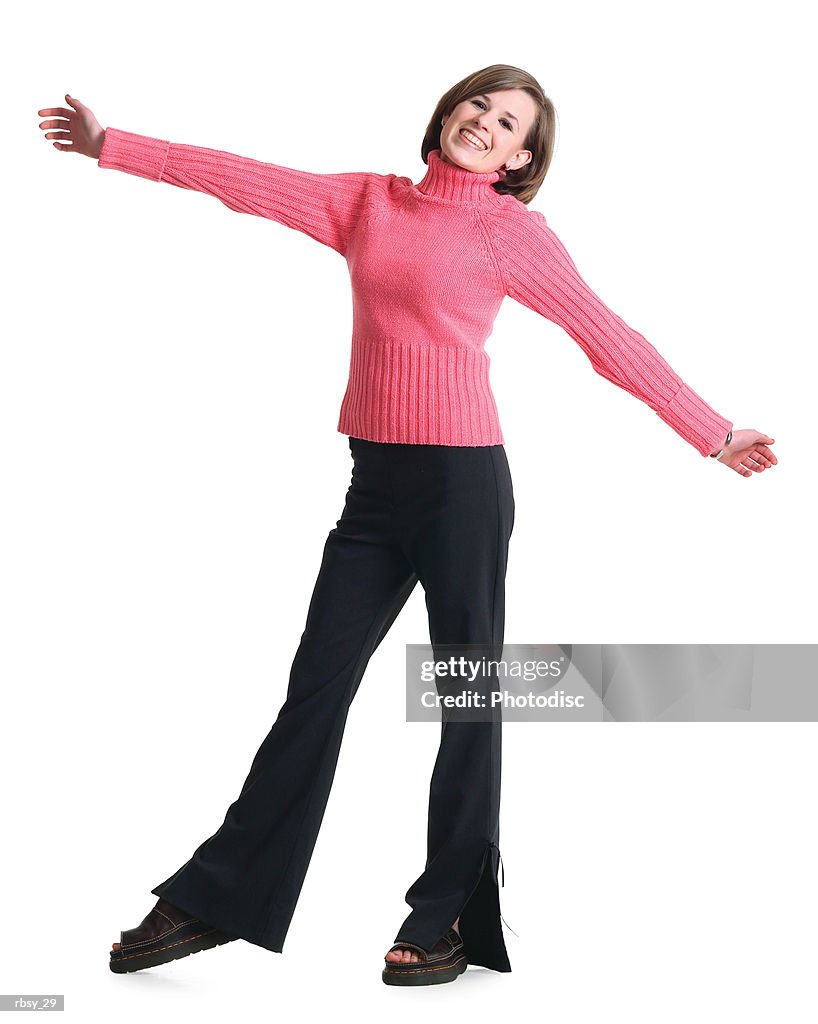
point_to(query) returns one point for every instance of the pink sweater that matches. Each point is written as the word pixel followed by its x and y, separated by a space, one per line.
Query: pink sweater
pixel 430 265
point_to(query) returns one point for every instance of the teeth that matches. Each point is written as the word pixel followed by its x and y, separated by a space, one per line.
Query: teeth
pixel 470 137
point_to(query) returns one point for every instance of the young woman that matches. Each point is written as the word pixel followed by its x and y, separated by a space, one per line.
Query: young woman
pixel 430 499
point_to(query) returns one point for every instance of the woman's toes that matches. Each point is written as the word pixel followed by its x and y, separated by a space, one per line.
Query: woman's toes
pixel 402 956
pixel 115 946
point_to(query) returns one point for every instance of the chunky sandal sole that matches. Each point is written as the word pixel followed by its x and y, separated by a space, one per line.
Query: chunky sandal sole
pixel 138 961
pixel 423 974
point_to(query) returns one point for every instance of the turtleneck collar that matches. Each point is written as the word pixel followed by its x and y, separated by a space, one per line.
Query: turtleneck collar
pixel 456 184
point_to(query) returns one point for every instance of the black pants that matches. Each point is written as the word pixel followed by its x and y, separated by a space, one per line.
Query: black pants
pixel 439 514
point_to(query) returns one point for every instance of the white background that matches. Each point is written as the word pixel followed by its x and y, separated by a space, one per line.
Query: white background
pixel 170 384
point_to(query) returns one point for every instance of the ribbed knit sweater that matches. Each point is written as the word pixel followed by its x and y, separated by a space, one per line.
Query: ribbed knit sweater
pixel 430 264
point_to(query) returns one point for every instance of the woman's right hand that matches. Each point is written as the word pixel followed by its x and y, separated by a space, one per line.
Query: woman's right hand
pixel 749 452
pixel 82 130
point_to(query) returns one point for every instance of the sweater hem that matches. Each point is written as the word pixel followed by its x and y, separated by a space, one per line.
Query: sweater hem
pixel 363 434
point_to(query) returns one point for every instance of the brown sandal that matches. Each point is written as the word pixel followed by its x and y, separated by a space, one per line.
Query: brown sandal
pixel 166 934
pixel 446 961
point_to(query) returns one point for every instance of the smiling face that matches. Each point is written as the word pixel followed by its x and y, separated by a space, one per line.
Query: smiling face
pixel 486 132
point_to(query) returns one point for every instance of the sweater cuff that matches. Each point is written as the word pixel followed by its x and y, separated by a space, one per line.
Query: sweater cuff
pixel 135 154
pixel 699 424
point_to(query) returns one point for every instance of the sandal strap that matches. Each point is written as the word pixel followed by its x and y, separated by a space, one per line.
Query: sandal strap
pixel 156 925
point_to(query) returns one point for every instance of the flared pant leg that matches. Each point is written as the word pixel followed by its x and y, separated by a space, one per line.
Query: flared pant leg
pixel 247 877
pixel 456 509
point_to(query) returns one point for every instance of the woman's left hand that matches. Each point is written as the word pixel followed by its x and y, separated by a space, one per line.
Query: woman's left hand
pixel 748 453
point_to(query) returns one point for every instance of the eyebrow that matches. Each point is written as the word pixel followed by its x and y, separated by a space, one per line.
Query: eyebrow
pixel 483 96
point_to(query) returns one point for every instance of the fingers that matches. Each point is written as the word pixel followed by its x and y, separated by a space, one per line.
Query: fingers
pixel 68 112
pixel 755 458
pixel 760 458
pixel 765 452
pixel 63 133
pixel 59 138
pixel 754 462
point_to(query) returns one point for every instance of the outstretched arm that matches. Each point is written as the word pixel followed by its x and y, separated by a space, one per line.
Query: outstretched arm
pixel 542 276
pixel 324 206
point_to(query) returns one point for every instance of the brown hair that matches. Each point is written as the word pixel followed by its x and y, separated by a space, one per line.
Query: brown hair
pixel 524 183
